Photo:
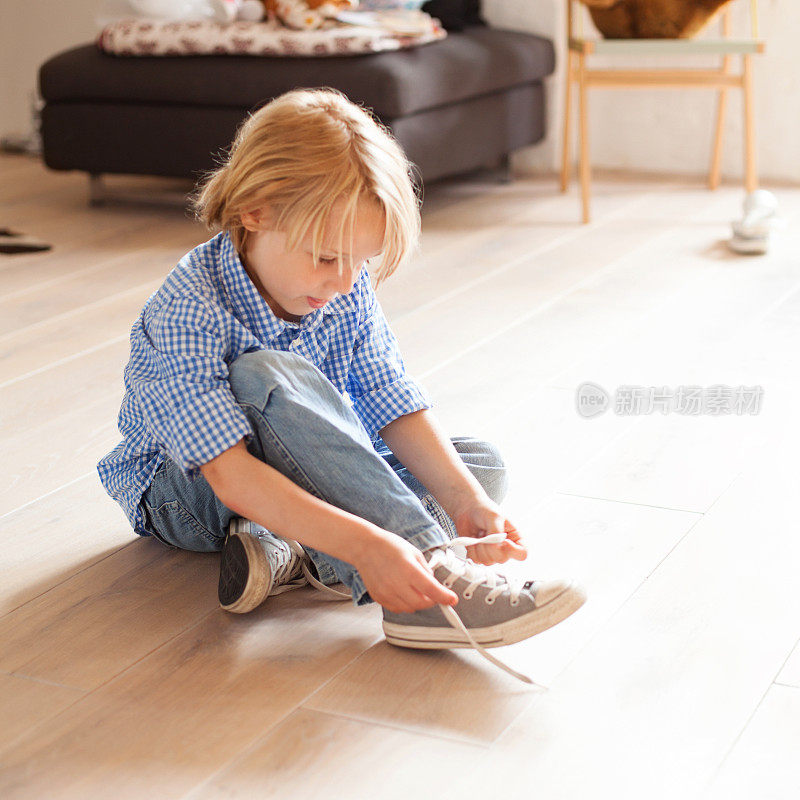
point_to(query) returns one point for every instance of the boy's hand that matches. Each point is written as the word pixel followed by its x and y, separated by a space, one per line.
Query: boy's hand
pixel 398 577
pixel 480 517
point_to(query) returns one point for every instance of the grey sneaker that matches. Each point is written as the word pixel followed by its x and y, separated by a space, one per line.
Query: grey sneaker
pixel 492 610
pixel 257 563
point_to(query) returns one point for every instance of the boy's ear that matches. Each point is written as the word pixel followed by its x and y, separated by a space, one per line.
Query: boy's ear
pixel 256 220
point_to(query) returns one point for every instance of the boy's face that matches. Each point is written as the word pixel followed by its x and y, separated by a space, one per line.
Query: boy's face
pixel 290 282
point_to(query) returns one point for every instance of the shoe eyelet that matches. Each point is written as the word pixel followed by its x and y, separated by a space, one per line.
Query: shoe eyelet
pixel 488 601
pixel 514 602
pixel 467 595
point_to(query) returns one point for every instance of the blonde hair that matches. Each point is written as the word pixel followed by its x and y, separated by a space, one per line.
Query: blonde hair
pixel 300 154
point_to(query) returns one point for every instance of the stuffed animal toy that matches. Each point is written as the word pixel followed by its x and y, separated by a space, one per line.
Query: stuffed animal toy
pixel 652 19
pixel 307 14
pixel 301 14
pixel 238 10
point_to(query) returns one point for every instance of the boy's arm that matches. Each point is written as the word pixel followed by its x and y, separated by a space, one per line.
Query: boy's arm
pixel 394 572
pixel 259 492
pixel 422 446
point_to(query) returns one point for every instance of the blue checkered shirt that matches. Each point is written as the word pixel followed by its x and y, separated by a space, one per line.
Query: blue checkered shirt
pixel 178 401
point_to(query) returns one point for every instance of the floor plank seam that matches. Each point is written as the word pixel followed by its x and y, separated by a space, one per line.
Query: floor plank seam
pixel 100 266
pixel 127 668
pixel 569 236
pixel 59 583
pixel 625 333
pixel 48 494
pixel 631 502
pixel 608 620
pixel 109 236
pixel 720 766
pixel 722 494
pixel 405 729
pixel 65 360
pixel 23 677
pixel 142 287
pixel 254 744
pixel 527 316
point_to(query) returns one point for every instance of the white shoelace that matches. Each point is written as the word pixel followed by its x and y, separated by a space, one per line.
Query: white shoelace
pixel 457 565
pixel 477 575
pixel 282 575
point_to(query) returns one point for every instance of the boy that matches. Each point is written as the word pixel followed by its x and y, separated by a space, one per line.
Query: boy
pixel 268 413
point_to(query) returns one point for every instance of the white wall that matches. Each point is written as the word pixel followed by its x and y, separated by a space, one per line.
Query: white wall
pixel 30 32
pixel 670 130
pixel 664 130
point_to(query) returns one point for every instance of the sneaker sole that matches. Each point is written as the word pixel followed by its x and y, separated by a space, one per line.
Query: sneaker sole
pixel 515 630
pixel 244 575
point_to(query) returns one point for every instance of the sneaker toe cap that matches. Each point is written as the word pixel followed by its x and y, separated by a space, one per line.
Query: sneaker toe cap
pixel 546 591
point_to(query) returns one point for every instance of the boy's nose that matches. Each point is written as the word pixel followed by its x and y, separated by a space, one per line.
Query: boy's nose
pixel 344 283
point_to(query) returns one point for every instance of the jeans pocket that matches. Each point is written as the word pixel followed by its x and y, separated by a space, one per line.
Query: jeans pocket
pixel 172 524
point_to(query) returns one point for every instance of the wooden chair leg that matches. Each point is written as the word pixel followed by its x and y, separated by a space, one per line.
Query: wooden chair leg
pixel 565 144
pixel 584 128
pixel 750 176
pixel 716 155
pixel 722 103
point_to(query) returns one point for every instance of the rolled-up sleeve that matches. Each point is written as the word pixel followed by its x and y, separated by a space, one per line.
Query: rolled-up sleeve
pixel 377 381
pixel 181 382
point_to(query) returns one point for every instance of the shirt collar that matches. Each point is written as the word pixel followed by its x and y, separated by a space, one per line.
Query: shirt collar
pixel 250 307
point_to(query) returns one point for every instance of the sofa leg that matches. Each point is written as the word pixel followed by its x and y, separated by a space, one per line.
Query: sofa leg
pixel 101 194
pixel 504 174
pixel 97 189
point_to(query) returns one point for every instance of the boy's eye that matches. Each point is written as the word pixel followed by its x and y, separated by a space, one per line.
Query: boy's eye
pixel 334 260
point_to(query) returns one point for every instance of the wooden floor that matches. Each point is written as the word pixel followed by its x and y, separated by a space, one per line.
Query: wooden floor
pixel 121 678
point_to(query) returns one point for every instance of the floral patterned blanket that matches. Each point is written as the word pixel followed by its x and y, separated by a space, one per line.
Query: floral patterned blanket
pixel 147 37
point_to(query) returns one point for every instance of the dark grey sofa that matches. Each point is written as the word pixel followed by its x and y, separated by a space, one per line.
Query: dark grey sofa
pixel 455 105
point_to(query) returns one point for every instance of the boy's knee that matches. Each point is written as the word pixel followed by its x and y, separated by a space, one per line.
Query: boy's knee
pixel 253 375
pixel 498 487
pixel 489 466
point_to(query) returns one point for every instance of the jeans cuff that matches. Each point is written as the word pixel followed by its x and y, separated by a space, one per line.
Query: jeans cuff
pixel 360 594
pixel 430 537
pixel 432 506
pixel 325 571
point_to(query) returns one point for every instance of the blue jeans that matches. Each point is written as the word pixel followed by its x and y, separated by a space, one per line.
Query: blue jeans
pixel 304 428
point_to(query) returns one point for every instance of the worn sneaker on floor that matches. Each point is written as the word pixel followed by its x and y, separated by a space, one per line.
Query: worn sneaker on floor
pixel 257 563
pixel 492 610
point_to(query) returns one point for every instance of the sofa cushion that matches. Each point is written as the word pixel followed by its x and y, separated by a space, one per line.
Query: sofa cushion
pixel 477 61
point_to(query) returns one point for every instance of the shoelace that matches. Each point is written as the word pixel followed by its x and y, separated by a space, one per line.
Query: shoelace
pixel 458 566
pixel 288 568
pixel 477 575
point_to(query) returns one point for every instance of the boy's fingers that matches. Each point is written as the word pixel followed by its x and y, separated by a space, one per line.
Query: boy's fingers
pixel 393 602
pixel 517 551
pixel 436 592
pixel 482 554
